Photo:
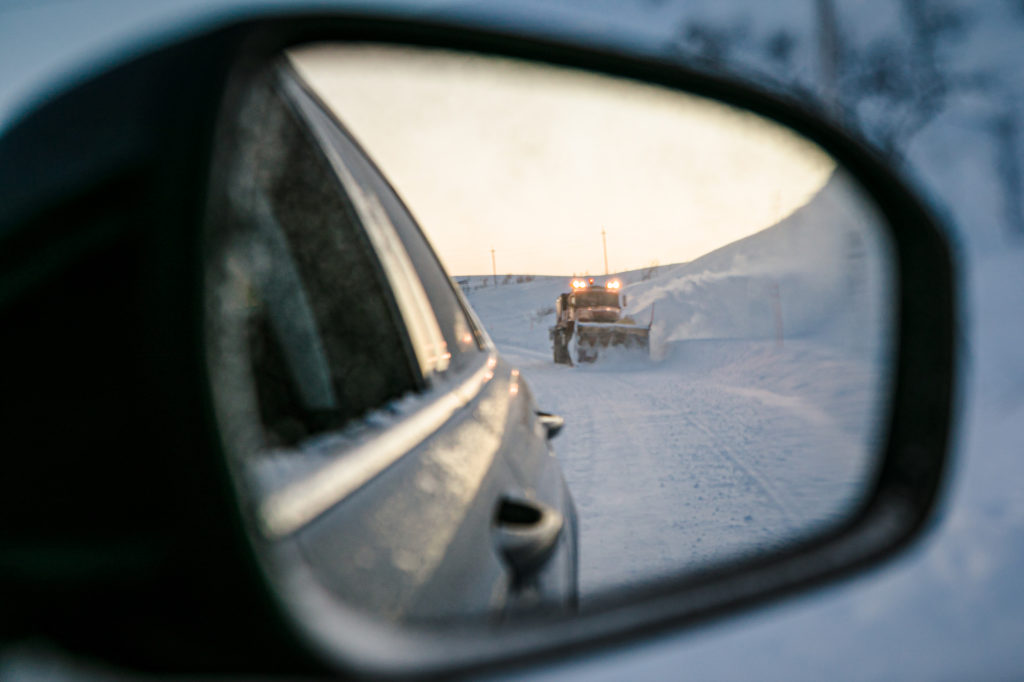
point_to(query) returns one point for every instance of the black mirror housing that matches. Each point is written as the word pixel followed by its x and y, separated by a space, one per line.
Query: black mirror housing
pixel 121 501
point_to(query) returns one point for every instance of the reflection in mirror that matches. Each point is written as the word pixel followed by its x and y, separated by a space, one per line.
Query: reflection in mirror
pixel 762 272
pixel 696 300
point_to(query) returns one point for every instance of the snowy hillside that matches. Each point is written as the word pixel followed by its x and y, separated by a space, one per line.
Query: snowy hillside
pixel 753 422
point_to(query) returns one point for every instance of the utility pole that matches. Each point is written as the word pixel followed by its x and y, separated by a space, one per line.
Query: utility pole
pixel 494 268
pixel 604 243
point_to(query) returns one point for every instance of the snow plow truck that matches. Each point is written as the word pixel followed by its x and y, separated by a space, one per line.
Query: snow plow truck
pixel 589 317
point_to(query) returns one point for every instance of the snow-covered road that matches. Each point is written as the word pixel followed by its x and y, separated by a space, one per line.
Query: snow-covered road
pixel 674 465
pixel 731 438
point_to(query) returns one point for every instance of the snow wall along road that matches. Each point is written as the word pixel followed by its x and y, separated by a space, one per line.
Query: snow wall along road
pixel 756 420
pixel 820 273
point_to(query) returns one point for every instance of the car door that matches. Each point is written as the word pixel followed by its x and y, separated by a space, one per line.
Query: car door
pixel 388 448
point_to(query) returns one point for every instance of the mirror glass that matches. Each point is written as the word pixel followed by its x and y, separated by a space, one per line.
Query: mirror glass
pixel 704 297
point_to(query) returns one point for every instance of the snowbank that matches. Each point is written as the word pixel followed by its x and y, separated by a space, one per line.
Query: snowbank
pixel 824 272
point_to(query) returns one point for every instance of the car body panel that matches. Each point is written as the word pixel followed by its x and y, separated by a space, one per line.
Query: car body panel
pixel 389 433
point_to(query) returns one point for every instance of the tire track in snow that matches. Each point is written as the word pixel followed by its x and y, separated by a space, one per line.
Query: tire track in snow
pixel 622 494
pixel 781 501
pixel 726 448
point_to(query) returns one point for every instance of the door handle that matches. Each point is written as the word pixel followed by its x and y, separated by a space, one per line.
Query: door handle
pixel 526 533
pixel 552 423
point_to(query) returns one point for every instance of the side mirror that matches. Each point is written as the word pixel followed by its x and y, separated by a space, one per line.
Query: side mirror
pixel 375 498
pixel 552 423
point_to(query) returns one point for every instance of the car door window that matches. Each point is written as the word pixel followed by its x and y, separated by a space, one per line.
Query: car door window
pixel 397 238
pixel 464 336
pixel 325 337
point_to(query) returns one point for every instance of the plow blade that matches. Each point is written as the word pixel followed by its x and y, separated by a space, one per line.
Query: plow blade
pixel 591 337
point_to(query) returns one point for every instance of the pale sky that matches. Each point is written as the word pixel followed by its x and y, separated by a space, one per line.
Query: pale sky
pixel 534 161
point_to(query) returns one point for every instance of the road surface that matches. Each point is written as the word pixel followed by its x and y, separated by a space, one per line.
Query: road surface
pixel 716 449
